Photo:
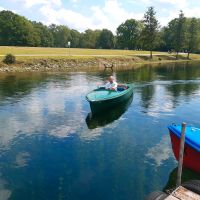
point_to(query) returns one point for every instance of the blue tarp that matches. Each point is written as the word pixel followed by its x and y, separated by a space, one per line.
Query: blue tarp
pixel 192 135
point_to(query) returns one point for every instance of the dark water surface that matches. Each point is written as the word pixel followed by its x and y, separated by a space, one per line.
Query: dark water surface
pixel 51 149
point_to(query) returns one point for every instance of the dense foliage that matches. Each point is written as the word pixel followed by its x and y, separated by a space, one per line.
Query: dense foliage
pixel 181 34
pixel 9 59
pixel 129 34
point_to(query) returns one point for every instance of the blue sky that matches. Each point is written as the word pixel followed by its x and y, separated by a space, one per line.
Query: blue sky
pixel 98 14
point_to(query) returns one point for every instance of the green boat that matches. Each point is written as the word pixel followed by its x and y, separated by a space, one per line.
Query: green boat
pixel 101 99
pixel 100 119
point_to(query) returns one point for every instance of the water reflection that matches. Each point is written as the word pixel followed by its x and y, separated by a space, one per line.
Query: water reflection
pixel 169 71
pixel 49 149
pixel 160 152
pixel 147 94
pixel 5 193
pixel 16 86
pixel 187 175
pixel 102 119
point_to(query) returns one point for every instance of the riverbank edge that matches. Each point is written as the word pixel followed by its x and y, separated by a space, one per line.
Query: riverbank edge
pixel 87 64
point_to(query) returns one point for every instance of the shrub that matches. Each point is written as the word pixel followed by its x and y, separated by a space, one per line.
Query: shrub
pixel 9 59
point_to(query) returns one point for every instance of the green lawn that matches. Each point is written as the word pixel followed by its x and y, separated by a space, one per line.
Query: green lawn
pixel 73 51
pixel 28 53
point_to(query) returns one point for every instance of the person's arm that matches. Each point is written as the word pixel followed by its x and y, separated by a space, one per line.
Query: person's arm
pixel 114 87
pixel 107 86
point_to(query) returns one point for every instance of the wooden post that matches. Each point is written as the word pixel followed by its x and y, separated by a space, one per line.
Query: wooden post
pixel 181 153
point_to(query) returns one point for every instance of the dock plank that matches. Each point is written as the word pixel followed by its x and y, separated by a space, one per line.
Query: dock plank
pixel 182 193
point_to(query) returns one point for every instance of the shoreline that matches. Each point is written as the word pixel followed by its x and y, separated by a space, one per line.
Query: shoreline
pixel 73 64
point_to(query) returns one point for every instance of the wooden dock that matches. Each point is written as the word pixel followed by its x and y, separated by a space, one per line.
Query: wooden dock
pixel 189 190
pixel 182 193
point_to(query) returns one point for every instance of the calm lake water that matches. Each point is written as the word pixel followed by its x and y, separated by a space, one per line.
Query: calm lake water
pixel 51 149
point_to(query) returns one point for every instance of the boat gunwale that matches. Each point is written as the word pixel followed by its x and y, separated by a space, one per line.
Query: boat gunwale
pixel 110 98
pixel 188 141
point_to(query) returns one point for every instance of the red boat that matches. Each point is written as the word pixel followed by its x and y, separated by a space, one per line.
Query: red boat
pixel 191 157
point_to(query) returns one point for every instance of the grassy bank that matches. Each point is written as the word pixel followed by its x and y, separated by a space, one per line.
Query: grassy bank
pixel 37 51
pixel 56 59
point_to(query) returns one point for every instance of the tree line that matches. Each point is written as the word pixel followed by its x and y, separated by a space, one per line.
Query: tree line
pixel 181 34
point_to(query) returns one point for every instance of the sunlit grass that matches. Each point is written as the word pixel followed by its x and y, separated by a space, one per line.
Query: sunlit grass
pixel 30 53
pixel 67 52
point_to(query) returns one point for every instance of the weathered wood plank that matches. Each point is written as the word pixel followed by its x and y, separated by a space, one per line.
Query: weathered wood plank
pixel 182 193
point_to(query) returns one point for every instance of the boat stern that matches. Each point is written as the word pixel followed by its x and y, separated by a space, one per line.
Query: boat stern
pixel 191 158
pixel 175 140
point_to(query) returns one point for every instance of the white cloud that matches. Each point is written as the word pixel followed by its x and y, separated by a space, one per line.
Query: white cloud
pixel 1 8
pixel 160 152
pixel 164 20
pixel 188 12
pixel 178 3
pixel 169 9
pixel 31 3
pixel 109 16
pixel 65 16
pixel 195 12
pixel 146 2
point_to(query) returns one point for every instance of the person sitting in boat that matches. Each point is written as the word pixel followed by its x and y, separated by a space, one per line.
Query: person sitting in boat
pixel 112 84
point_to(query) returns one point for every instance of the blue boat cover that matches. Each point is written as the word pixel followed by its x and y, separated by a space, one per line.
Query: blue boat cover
pixel 192 135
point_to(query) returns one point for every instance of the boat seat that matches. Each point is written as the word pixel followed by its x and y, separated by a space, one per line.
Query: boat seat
pixel 120 89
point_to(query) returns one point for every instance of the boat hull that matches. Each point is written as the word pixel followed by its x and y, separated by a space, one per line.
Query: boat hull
pixel 100 106
pixel 100 119
pixel 191 157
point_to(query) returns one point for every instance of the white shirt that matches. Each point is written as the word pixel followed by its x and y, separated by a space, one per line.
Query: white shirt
pixel 111 85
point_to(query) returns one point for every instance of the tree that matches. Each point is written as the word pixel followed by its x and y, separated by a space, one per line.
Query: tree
pixel 150 30
pixel 89 38
pixel 44 34
pixel 128 34
pixel 180 34
pixel 16 30
pixel 61 35
pixel 75 38
pixel 193 37
pixel 106 39
pixel 163 43
pixel 179 39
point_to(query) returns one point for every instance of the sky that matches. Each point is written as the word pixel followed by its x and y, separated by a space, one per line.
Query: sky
pixel 98 14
